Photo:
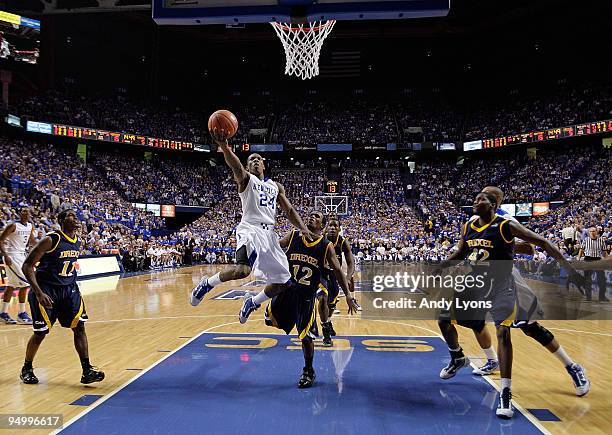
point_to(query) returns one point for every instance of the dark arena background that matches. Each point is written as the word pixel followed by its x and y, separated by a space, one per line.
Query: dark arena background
pixel 416 107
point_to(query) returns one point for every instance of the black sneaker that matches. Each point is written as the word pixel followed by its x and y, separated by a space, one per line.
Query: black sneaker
pixel 91 375
pixel 331 329
pixel 327 340
pixel 454 366
pixel 505 408
pixel 27 376
pixel 307 378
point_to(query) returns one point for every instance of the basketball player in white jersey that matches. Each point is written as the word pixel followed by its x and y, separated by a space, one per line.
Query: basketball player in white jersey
pixel 257 246
pixel 14 243
pixel 530 327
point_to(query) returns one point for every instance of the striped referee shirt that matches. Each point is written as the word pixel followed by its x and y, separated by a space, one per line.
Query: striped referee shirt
pixel 594 247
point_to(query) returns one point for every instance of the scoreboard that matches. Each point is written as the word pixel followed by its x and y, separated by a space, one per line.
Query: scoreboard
pixel 550 134
pixel 331 187
pixel 109 136
pixel 116 137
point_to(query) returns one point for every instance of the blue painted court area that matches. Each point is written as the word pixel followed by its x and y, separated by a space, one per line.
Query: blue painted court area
pixel 246 384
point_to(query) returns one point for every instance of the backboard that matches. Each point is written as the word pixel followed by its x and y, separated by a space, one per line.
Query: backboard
pixel 201 12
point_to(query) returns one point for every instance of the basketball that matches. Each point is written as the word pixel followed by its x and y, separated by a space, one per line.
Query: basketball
pixel 224 121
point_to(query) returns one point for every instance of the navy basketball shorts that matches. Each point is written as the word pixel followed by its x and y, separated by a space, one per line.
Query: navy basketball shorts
pixel 329 285
pixel 68 308
pixel 293 308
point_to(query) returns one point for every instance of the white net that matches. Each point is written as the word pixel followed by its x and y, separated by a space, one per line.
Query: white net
pixel 302 44
pixel 332 204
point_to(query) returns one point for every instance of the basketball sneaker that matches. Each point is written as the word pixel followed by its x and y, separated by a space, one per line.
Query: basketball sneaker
pixel 307 378
pixel 91 375
pixel 199 291
pixel 337 311
pixel 581 382
pixel 489 367
pixel 332 331
pixel 24 318
pixel 247 308
pixel 454 366
pixel 505 408
pixel 327 340
pixel 7 319
pixel 27 376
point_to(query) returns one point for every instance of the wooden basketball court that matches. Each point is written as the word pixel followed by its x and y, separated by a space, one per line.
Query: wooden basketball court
pixel 136 322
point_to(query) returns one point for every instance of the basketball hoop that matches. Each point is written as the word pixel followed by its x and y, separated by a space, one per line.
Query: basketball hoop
pixel 302 44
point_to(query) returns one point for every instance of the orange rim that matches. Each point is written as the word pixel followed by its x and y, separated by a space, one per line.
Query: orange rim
pixel 289 28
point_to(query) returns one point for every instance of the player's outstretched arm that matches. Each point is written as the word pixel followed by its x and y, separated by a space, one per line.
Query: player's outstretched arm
pixel 517 230
pixel 291 213
pixel 459 254
pixel 45 245
pixel 332 261
pixel 285 241
pixel 604 264
pixel 5 233
pixel 241 176
pixel 350 260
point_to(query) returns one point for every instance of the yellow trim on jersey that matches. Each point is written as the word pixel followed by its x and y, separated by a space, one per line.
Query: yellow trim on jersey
pixel 304 333
pixel 322 287
pixel 502 233
pixel 45 315
pixel 484 227
pixel 68 238
pixel 511 318
pixel 327 249
pixel 310 245
pixel 270 315
pixel 464 229
pixel 291 238
pixel 75 321
pixel 335 301
pixel 337 238
pixel 59 238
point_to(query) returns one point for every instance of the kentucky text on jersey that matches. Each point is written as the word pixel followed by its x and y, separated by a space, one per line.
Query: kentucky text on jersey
pixel 264 188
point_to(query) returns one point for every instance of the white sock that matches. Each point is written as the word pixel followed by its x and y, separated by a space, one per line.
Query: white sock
pixel 5 306
pixel 21 307
pixel 214 280
pixel 506 382
pixel 490 353
pixel 260 298
pixel 563 357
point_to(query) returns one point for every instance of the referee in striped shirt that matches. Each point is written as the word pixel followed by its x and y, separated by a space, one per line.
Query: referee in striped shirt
pixel 593 248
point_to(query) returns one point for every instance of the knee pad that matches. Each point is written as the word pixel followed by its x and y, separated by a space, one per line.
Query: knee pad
pixel 538 333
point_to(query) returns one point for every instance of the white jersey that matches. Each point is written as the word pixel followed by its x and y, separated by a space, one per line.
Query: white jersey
pixel 16 243
pixel 259 201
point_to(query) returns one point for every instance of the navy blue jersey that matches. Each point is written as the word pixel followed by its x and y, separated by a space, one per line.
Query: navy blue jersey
pixel 491 242
pixel 338 247
pixel 306 261
pixel 57 266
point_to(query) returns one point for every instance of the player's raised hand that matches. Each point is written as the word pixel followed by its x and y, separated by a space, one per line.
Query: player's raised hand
pixel 220 137
pixel 310 236
pixel 44 300
pixel 352 305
